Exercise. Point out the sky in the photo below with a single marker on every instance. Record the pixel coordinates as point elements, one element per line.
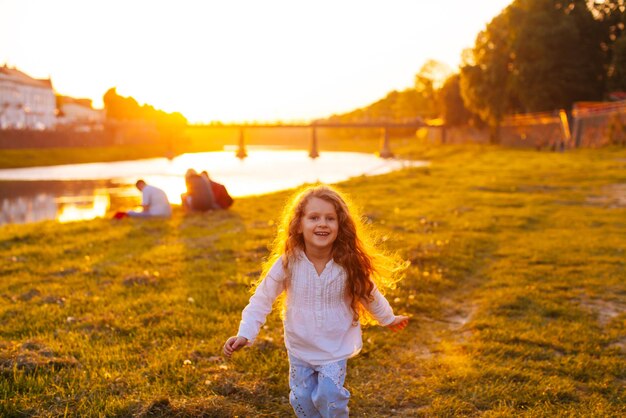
<point>238,60</point>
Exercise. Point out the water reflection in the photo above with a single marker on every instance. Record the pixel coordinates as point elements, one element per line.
<point>80,208</point>
<point>25,209</point>
<point>65,201</point>
<point>87,191</point>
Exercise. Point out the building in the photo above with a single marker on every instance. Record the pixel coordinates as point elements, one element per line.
<point>79,112</point>
<point>25,102</point>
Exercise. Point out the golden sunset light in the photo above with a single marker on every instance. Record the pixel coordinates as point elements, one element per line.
<point>288,208</point>
<point>77,211</point>
<point>237,60</point>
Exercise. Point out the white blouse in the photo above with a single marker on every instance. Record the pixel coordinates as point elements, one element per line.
<point>318,324</point>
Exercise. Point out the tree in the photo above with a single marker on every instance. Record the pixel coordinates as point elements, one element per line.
<point>434,73</point>
<point>557,59</point>
<point>409,105</point>
<point>112,104</point>
<point>617,71</point>
<point>612,16</point>
<point>537,55</point>
<point>118,108</point>
<point>121,108</point>
<point>485,81</point>
<point>428,81</point>
<point>453,109</point>
<point>127,108</point>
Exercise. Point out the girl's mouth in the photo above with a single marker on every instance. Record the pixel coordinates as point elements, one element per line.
<point>322,234</point>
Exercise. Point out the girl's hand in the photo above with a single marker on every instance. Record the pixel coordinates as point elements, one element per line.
<point>233,344</point>
<point>399,323</point>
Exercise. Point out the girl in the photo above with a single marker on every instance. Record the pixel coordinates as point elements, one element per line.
<point>328,269</point>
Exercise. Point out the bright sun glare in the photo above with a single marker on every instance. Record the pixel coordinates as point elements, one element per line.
<point>237,60</point>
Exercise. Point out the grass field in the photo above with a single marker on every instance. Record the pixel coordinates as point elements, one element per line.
<point>516,290</point>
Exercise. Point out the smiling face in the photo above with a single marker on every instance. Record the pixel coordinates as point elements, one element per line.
<point>319,225</point>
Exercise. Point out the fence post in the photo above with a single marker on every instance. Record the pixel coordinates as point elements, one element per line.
<point>578,129</point>
<point>567,136</point>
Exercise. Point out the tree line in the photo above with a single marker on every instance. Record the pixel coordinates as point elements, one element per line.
<point>535,56</point>
<point>126,109</point>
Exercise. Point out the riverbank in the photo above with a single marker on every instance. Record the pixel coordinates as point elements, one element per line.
<point>20,158</point>
<point>40,157</point>
<point>516,291</point>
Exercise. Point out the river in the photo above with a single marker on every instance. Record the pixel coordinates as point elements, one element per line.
<point>86,191</point>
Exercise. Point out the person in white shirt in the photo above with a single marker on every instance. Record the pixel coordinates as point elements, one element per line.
<point>329,271</point>
<point>153,201</point>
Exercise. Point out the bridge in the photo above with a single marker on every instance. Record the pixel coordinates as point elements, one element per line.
<point>384,152</point>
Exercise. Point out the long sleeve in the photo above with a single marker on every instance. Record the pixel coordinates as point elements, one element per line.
<point>260,305</point>
<point>380,308</point>
<point>146,196</point>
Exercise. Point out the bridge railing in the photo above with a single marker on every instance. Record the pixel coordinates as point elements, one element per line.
<point>384,150</point>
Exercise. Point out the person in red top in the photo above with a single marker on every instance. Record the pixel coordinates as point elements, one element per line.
<point>222,198</point>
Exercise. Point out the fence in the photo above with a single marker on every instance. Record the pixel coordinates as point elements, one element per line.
<point>594,124</point>
<point>536,130</point>
<point>599,124</point>
<point>533,130</point>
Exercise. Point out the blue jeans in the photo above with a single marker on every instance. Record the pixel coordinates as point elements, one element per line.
<point>317,391</point>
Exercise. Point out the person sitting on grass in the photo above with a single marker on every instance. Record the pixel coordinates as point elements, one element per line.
<point>218,191</point>
<point>154,203</point>
<point>331,273</point>
<point>199,196</point>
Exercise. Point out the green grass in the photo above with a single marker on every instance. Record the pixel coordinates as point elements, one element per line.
<point>38,157</point>
<point>516,290</point>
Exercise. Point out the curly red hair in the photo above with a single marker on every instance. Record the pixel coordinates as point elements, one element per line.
<point>354,248</point>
